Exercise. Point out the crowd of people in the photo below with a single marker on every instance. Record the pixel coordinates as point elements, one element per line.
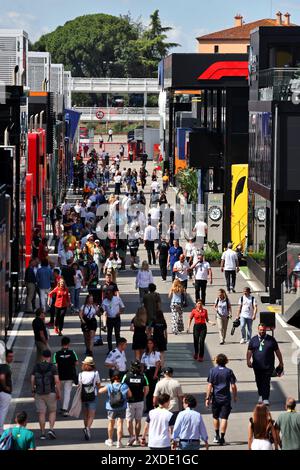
<point>93,236</point>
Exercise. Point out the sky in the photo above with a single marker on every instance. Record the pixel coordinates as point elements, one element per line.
<point>188,18</point>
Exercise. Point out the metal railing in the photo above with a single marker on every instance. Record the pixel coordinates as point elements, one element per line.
<point>114,85</point>
<point>119,114</point>
<point>279,83</point>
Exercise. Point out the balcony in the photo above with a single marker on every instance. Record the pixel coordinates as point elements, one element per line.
<point>280,84</point>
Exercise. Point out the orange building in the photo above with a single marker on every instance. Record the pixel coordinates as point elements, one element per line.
<point>236,40</point>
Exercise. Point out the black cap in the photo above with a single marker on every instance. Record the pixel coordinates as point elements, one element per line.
<point>46,353</point>
<point>167,370</point>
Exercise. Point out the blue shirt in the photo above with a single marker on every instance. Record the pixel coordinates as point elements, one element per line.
<point>44,277</point>
<point>263,349</point>
<point>123,389</point>
<point>189,425</point>
<point>221,378</point>
<point>175,254</point>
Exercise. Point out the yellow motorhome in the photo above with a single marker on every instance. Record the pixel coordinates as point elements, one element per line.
<point>239,205</point>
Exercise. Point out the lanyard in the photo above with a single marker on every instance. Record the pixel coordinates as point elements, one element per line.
<point>261,344</point>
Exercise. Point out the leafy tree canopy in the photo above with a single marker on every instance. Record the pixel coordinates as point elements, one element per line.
<point>103,45</point>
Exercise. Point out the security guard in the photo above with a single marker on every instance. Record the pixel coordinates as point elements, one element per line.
<point>116,359</point>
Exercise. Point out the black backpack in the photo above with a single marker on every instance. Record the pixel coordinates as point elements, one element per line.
<point>44,380</point>
<point>88,391</point>
<point>116,399</point>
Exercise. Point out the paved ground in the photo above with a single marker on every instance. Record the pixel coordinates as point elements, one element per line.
<point>191,374</point>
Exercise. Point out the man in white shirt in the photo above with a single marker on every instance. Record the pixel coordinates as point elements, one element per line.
<point>116,359</point>
<point>150,235</point>
<point>247,311</point>
<point>112,307</point>
<point>155,186</point>
<point>181,269</point>
<point>154,214</point>
<point>110,135</point>
<point>230,264</point>
<point>190,251</point>
<point>159,425</point>
<point>202,270</point>
<point>200,230</point>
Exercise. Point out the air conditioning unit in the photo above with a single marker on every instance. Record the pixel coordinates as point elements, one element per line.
<point>13,57</point>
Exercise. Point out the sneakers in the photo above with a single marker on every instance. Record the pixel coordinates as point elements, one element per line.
<point>222,441</point>
<point>119,445</point>
<point>56,330</point>
<point>243,341</point>
<point>136,442</point>
<point>86,435</point>
<point>233,290</point>
<point>260,400</point>
<point>221,342</point>
<point>216,440</point>
<point>131,442</point>
<point>43,437</point>
<point>51,434</point>
<point>266,402</point>
<point>109,443</point>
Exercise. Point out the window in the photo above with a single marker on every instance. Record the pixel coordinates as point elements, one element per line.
<point>216,49</point>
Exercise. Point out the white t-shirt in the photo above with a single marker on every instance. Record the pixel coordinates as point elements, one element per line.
<point>231,260</point>
<point>182,275</point>
<point>190,249</point>
<point>118,179</point>
<point>154,213</point>
<point>77,208</point>
<point>78,279</point>
<point>87,376</point>
<point>247,307</point>
<point>150,233</point>
<point>117,358</point>
<point>155,186</point>
<point>110,132</point>
<point>201,271</point>
<point>222,307</point>
<point>113,306</point>
<point>173,388</point>
<point>150,360</point>
<point>200,228</point>
<point>159,435</point>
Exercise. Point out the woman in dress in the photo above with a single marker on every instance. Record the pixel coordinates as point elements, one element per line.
<point>138,326</point>
<point>150,367</point>
<point>175,294</point>
<point>160,334</point>
<point>223,308</point>
<point>143,279</point>
<point>261,430</point>
<point>62,302</point>
<point>88,313</point>
<point>200,317</point>
<point>89,379</point>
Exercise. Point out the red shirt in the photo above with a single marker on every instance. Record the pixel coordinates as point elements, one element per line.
<point>62,297</point>
<point>200,317</point>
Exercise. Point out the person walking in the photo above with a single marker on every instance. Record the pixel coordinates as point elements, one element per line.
<point>181,269</point>
<point>176,307</point>
<point>30,283</point>
<point>200,317</point>
<point>150,366</point>
<point>68,274</point>
<point>113,308</point>
<point>190,252</point>
<point>159,333</point>
<point>162,253</point>
<point>230,266</point>
<point>152,303</point>
<point>138,385</point>
<point>62,302</point>
<point>261,430</point>
<point>117,395</point>
<point>170,386</point>
<point>110,135</point>
<point>41,335</point>
<point>45,388</point>
<point>143,279</point>
<point>78,279</point>
<point>44,277</point>
<point>159,426</point>
<point>223,310</point>
<point>247,311</point>
<point>88,313</point>
<point>220,379</point>
<point>66,361</point>
<point>116,359</point>
<point>150,235</point>
<point>288,426</point>
<point>23,439</point>
<point>56,278</point>
<point>261,358</point>
<point>202,270</point>
<point>175,251</point>
<point>189,428</point>
<point>5,386</point>
<point>90,383</point>
<point>138,326</point>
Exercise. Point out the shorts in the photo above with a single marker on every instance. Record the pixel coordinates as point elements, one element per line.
<point>121,414</point>
<point>90,405</point>
<point>135,410</point>
<point>221,410</point>
<point>45,402</point>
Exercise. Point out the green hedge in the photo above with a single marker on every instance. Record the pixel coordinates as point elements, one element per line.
<point>258,256</point>
<point>212,256</point>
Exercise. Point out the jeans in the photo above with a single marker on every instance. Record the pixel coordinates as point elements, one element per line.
<point>199,332</point>
<point>76,298</point>
<point>72,294</point>
<point>246,322</point>
<point>200,285</point>
<point>263,382</point>
<point>189,445</point>
<point>230,275</point>
<point>5,399</point>
<point>43,296</point>
<point>66,388</point>
<point>113,324</point>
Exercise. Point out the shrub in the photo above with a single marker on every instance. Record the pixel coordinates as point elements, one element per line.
<point>212,256</point>
<point>258,256</point>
